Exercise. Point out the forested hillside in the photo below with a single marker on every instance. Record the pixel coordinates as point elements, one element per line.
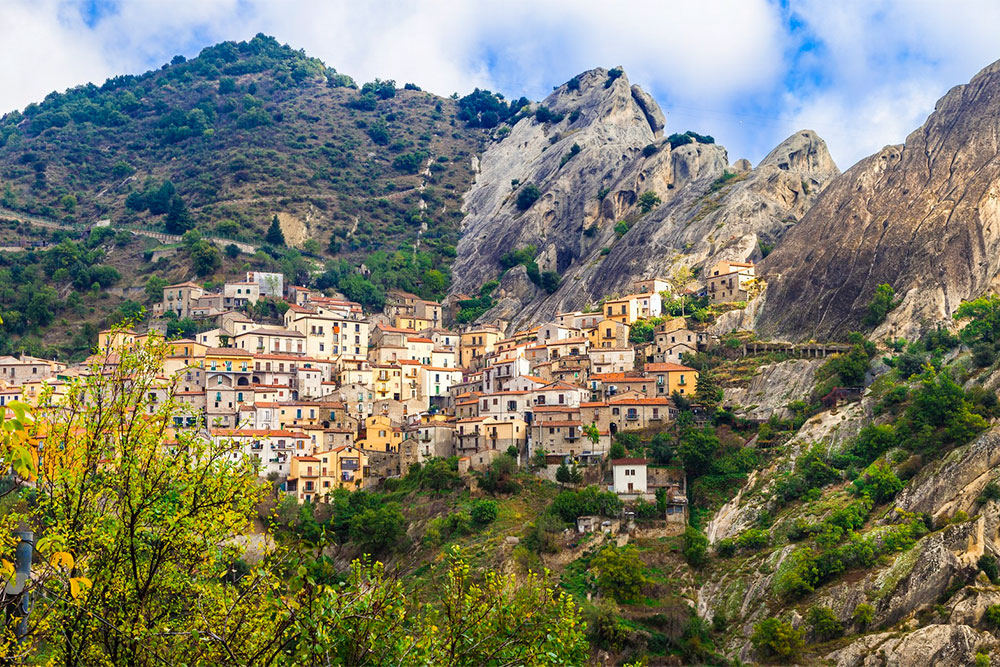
<point>246,131</point>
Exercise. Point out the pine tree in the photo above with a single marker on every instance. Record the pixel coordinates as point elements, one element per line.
<point>274,234</point>
<point>178,218</point>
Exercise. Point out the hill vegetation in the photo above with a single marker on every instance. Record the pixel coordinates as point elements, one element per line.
<point>247,130</point>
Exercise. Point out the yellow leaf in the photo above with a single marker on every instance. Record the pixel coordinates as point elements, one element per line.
<point>7,568</point>
<point>62,558</point>
<point>77,585</point>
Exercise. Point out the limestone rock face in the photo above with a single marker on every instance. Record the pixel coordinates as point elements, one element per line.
<point>701,217</point>
<point>945,645</point>
<point>774,387</point>
<point>923,217</point>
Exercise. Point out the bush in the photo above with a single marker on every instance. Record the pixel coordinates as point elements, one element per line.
<point>378,530</point>
<point>983,354</point>
<point>527,195</point>
<point>988,564</point>
<point>605,626</point>
<point>619,572</point>
<point>824,623</point>
<point>569,505</point>
<point>484,511</point>
<point>864,614</point>
<point>753,539</point>
<point>695,547</point>
<point>879,482</point>
<point>992,616</point>
<point>648,200</point>
<point>613,74</point>
<point>882,302</point>
<point>774,638</point>
<point>726,547</point>
<point>649,150</point>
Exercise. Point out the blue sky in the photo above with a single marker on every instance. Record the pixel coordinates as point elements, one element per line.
<point>749,72</point>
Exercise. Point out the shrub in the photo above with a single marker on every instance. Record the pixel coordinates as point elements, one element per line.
<point>983,354</point>
<point>648,150</point>
<point>824,623</point>
<point>648,200</point>
<point>879,482</point>
<point>992,616</point>
<point>775,638</point>
<point>484,511</point>
<point>988,564</point>
<point>864,614</point>
<point>546,115</point>
<point>753,539</point>
<point>527,195</point>
<point>378,530</point>
<point>882,302</point>
<point>983,659</point>
<point>613,74</point>
<point>695,547</point>
<point>605,626</point>
<point>726,547</point>
<point>619,572</point>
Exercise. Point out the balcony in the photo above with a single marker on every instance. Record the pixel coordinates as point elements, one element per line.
<point>632,418</point>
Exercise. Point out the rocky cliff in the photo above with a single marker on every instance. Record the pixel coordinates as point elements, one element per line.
<point>707,210</point>
<point>923,217</point>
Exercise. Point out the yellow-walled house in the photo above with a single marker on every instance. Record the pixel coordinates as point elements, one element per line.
<point>672,378</point>
<point>378,435</point>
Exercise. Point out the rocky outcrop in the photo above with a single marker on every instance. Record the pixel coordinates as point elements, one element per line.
<point>707,209</point>
<point>953,483</point>
<point>944,645</point>
<point>923,217</point>
<point>773,387</point>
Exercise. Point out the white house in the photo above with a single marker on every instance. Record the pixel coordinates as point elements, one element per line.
<point>629,476</point>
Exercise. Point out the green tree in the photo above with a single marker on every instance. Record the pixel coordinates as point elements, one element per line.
<point>824,623</point>
<point>619,572</point>
<point>864,614</point>
<point>379,530</point>
<point>984,320</point>
<point>777,639</point>
<point>129,525</point>
<point>527,195</point>
<point>154,288</point>
<point>484,511</point>
<point>882,302</point>
<point>695,547</point>
<point>178,218</point>
<point>274,234</point>
<point>648,200</point>
<point>697,449</point>
<point>617,451</point>
<point>563,475</point>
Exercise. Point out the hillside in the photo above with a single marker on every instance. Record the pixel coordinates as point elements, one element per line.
<point>242,133</point>
<point>921,217</point>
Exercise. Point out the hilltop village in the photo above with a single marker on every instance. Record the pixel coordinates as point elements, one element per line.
<point>335,398</point>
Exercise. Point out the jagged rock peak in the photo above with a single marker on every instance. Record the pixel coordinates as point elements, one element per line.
<point>654,115</point>
<point>803,151</point>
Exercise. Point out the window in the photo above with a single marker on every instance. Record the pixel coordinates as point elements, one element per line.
<point>218,396</point>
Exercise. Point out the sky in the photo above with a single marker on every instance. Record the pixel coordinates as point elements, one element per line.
<point>862,73</point>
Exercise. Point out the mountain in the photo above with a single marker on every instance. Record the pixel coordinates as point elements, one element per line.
<point>923,217</point>
<point>619,201</point>
<point>241,133</point>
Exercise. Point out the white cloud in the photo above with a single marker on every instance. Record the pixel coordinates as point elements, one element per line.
<point>721,67</point>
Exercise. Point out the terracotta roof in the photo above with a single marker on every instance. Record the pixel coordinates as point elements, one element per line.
<point>559,423</point>
<point>227,352</point>
<point>629,400</point>
<point>629,462</point>
<point>666,367</point>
